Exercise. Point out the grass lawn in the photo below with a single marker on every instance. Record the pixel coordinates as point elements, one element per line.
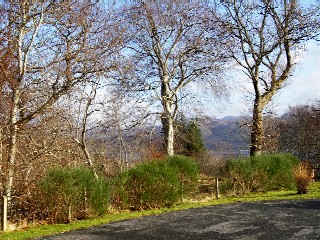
<point>42,230</point>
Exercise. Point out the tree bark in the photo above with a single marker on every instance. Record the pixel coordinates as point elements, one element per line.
<point>1,162</point>
<point>171,51</point>
<point>84,148</point>
<point>12,144</point>
<point>265,38</point>
<point>168,132</point>
<point>167,117</point>
<point>257,130</point>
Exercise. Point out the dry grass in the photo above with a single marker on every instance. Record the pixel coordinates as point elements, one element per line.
<point>303,177</point>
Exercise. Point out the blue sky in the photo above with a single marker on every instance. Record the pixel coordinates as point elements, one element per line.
<point>304,86</point>
<point>305,83</point>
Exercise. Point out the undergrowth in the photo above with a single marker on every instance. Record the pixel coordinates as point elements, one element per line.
<point>38,231</point>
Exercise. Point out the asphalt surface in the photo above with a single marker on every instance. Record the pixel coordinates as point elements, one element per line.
<point>259,220</point>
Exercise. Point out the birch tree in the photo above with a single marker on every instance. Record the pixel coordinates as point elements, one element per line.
<point>265,39</point>
<point>168,48</point>
<point>85,111</point>
<point>53,47</point>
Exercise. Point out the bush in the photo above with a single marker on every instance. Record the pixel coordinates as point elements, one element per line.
<point>155,184</point>
<point>212,165</point>
<point>74,193</point>
<point>187,170</point>
<point>262,173</point>
<point>150,185</point>
<point>303,177</point>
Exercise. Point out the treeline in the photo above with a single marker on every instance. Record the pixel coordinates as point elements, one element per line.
<point>296,132</point>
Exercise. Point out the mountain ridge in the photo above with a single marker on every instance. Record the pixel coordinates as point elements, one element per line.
<point>224,134</point>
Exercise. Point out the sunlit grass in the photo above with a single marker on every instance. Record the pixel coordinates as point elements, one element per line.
<point>42,230</point>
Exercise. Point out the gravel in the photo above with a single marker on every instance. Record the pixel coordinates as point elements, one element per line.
<point>256,220</point>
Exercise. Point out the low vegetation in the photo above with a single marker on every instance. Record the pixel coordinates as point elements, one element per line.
<point>303,177</point>
<point>42,230</point>
<point>73,193</point>
<point>155,184</point>
<point>261,173</point>
<point>76,196</point>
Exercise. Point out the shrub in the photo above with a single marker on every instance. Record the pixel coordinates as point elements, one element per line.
<point>303,177</point>
<point>187,170</point>
<point>155,184</point>
<point>261,173</point>
<point>149,185</point>
<point>74,193</point>
<point>241,175</point>
<point>278,170</point>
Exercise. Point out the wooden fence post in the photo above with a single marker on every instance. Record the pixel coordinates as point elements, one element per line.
<point>4,210</point>
<point>217,189</point>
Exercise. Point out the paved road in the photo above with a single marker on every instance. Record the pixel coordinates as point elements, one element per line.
<point>260,220</point>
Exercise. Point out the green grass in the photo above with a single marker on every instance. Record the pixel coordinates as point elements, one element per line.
<point>42,230</point>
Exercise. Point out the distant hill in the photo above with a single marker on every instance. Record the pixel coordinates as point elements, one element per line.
<point>220,135</point>
<point>224,135</point>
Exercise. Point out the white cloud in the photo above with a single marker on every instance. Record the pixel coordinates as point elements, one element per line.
<point>305,83</point>
<point>304,86</point>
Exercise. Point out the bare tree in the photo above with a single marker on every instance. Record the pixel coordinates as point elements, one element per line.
<point>266,35</point>
<point>168,48</point>
<point>52,47</point>
<point>272,133</point>
<point>125,126</point>
<point>85,111</point>
<point>299,132</point>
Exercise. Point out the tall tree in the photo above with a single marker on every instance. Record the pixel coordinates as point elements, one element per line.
<point>169,48</point>
<point>52,48</point>
<point>266,36</point>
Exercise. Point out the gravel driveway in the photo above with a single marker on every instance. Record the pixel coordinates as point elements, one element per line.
<point>259,220</point>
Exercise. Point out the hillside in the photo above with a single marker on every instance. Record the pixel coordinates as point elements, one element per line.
<point>224,135</point>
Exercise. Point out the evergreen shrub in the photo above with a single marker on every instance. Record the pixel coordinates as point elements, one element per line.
<point>74,193</point>
<point>155,184</point>
<point>188,171</point>
<point>261,173</point>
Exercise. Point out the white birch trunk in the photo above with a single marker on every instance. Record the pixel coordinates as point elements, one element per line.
<point>22,52</point>
<point>170,141</point>
<point>12,144</point>
<point>167,116</point>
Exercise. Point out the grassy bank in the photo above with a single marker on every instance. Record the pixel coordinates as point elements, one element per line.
<point>42,230</point>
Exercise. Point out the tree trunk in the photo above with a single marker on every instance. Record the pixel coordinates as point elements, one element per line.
<point>12,145</point>
<point>167,115</point>
<point>257,130</point>
<point>1,162</point>
<point>167,126</point>
<point>89,159</point>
